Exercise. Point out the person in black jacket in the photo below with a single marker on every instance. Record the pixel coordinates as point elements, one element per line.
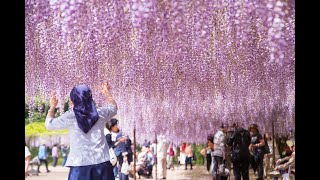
<point>240,141</point>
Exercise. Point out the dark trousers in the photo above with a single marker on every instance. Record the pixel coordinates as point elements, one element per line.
<point>208,161</point>
<point>130,158</point>
<point>260,170</point>
<point>55,160</point>
<point>102,171</point>
<point>217,161</point>
<point>257,165</point>
<point>124,176</point>
<point>45,162</point>
<point>120,160</point>
<point>188,160</point>
<point>150,169</point>
<point>241,169</point>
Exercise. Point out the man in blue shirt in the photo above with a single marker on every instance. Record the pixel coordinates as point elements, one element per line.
<point>42,155</point>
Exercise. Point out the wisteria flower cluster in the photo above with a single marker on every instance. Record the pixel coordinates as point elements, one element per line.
<point>176,67</point>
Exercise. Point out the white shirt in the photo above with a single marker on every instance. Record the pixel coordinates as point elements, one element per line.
<point>125,168</point>
<point>114,136</point>
<point>55,151</point>
<point>162,147</point>
<point>85,148</point>
<point>27,152</point>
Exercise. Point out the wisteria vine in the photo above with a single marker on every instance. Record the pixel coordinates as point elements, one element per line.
<point>176,67</point>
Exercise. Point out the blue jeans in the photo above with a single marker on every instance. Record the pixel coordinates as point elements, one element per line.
<point>124,176</point>
<point>115,171</point>
<point>188,160</point>
<point>64,161</point>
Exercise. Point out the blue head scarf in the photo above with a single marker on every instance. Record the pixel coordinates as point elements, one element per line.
<point>83,107</point>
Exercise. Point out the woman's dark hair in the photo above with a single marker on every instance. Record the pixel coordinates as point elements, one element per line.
<point>210,138</point>
<point>224,125</point>
<point>254,126</point>
<point>234,125</point>
<point>112,122</point>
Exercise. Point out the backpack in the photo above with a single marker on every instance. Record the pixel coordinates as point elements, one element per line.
<point>241,142</point>
<point>266,147</point>
<point>171,152</point>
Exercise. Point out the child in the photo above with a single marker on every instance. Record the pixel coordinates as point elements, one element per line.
<point>125,169</point>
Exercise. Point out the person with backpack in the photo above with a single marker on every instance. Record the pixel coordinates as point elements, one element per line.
<point>239,142</point>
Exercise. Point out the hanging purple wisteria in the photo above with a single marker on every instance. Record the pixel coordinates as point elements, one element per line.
<point>176,67</point>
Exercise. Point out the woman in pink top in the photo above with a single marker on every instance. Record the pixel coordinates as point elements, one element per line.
<point>171,156</point>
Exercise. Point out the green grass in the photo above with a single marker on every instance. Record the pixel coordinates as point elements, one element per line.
<point>199,158</point>
<point>39,129</point>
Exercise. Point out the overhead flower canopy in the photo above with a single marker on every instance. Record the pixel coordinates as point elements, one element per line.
<point>176,67</point>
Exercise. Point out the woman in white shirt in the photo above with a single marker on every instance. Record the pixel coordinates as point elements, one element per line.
<point>89,153</point>
<point>125,169</point>
<point>55,154</point>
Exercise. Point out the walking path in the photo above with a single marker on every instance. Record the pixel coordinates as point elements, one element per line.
<point>198,173</point>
